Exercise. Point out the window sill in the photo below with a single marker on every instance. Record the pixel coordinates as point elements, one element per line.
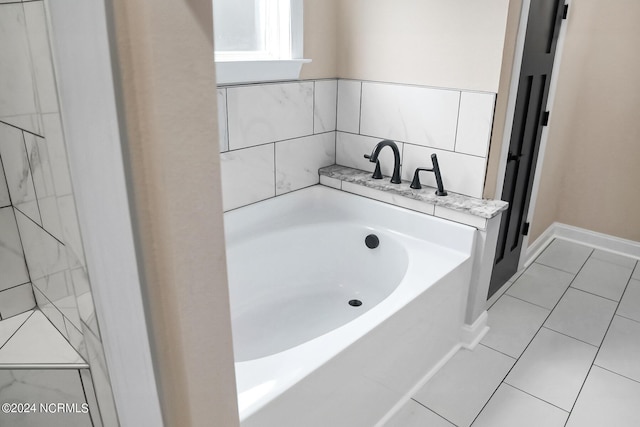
<point>230,72</point>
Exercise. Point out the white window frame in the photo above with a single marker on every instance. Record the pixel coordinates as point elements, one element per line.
<point>285,63</point>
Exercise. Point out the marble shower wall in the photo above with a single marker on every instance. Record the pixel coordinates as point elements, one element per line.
<point>40,242</point>
<point>274,137</point>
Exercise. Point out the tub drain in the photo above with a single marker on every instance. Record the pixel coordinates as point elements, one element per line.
<point>372,241</point>
<point>355,303</point>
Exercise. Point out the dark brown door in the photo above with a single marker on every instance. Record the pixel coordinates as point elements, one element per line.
<point>543,28</point>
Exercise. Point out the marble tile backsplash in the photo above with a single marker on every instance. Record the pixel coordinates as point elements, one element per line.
<point>455,125</point>
<point>274,137</point>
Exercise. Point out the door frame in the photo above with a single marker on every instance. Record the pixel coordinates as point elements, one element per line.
<point>511,107</point>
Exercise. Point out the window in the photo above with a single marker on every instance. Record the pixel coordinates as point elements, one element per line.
<point>257,40</point>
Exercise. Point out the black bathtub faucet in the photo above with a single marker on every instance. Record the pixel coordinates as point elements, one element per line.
<point>436,170</point>
<point>373,158</point>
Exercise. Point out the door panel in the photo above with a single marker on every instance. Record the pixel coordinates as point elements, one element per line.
<point>543,28</point>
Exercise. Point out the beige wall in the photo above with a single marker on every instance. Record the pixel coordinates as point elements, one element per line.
<point>168,94</point>
<point>590,174</point>
<point>500,116</point>
<point>320,39</point>
<point>454,43</point>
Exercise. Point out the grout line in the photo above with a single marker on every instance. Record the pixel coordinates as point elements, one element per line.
<point>498,351</point>
<point>532,303</point>
<point>429,409</point>
<point>616,373</point>
<point>536,397</point>
<point>38,225</point>
<point>18,127</point>
<point>625,317</point>
<point>84,393</point>
<point>360,110</point>
<point>17,329</point>
<point>226,114</point>
<point>262,144</point>
<point>313,109</point>
<point>455,137</point>
<point>569,336</point>
<point>33,183</point>
<point>595,357</point>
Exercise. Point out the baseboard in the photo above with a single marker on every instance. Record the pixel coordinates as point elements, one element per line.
<point>597,240</point>
<point>472,334</point>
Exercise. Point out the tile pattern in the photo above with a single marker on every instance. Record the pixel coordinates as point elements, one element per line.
<point>274,137</point>
<point>574,354</point>
<point>454,125</point>
<point>35,190</point>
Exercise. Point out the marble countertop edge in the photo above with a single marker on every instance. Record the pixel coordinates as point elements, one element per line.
<point>484,208</point>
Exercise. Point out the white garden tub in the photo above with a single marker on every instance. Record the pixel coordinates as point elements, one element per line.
<point>306,353</point>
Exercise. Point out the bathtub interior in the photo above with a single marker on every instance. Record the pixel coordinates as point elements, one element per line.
<point>306,281</point>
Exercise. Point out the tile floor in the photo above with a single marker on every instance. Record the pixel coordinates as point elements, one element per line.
<point>563,350</point>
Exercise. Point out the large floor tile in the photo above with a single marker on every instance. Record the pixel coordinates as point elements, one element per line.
<point>511,407</point>
<point>462,387</point>
<point>553,368</point>
<point>414,414</point>
<point>613,258</point>
<point>541,285</point>
<point>513,324</point>
<point>630,303</point>
<point>603,278</point>
<point>582,315</point>
<point>620,351</point>
<point>565,255</point>
<point>607,399</point>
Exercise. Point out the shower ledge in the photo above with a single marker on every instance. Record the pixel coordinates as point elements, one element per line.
<point>455,207</point>
<point>30,341</point>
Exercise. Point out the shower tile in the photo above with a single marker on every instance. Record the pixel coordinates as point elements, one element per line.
<point>12,262</point>
<point>44,254</point>
<point>71,231</point>
<point>324,106</point>
<point>582,316</point>
<point>42,67</point>
<point>75,339</point>
<point>461,173</point>
<point>44,386</point>
<point>223,133</point>
<point>511,407</point>
<point>564,255</point>
<point>16,300</point>
<point>461,388</point>
<point>348,114</point>
<point>413,414</point>
<point>38,343</point>
<point>603,278</point>
<point>413,114</point>
<point>606,399</point>
<point>541,285</point>
<point>9,326</point>
<point>620,350</point>
<point>19,101</point>
<point>5,200</point>
<point>513,324</point>
<point>298,161</point>
<point>630,303</point>
<point>553,368</point>
<point>259,114</point>
<point>57,153</point>
<point>90,393</point>
<point>350,151</point>
<point>101,382</point>
<point>248,176</point>
<point>474,123</point>
<point>50,311</point>
<point>18,173</point>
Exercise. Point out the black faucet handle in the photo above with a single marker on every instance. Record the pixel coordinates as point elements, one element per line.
<point>377,173</point>
<point>415,183</point>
